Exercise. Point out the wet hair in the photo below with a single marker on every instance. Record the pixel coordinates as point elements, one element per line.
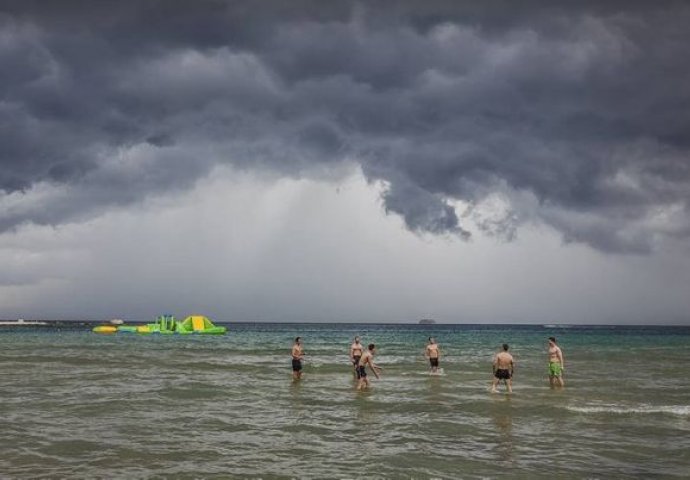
<point>297,339</point>
<point>553,339</point>
<point>505,347</point>
<point>371,347</point>
<point>356,338</point>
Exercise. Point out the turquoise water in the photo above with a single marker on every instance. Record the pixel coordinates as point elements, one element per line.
<point>80,405</point>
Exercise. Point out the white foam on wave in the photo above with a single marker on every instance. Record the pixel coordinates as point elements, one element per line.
<point>392,359</point>
<point>683,410</point>
<point>428,373</point>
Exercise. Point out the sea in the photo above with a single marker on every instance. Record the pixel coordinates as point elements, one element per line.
<point>75,404</point>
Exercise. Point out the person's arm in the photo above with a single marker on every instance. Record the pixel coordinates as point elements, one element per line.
<point>374,368</point>
<point>560,359</point>
<point>352,355</point>
<point>493,364</point>
<point>512,366</point>
<point>426,351</point>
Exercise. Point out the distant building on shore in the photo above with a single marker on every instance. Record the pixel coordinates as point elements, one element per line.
<point>22,323</point>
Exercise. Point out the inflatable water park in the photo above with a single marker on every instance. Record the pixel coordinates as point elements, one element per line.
<point>167,325</point>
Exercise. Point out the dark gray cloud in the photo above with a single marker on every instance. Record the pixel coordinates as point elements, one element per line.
<point>583,109</point>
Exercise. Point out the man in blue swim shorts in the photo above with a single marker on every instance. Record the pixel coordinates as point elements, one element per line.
<point>367,359</point>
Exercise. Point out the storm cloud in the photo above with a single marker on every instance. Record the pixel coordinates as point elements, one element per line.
<point>577,115</point>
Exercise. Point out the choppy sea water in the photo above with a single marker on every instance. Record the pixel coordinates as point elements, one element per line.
<point>81,405</point>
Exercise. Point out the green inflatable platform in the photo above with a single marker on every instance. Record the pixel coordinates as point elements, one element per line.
<point>167,325</point>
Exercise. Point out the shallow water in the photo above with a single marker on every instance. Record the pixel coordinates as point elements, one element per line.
<point>80,405</point>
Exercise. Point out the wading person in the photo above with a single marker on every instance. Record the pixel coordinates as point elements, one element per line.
<point>356,350</point>
<point>503,367</point>
<point>556,364</point>
<point>297,356</point>
<point>367,359</point>
<point>433,353</point>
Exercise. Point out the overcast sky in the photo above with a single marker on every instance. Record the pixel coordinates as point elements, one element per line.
<point>346,161</point>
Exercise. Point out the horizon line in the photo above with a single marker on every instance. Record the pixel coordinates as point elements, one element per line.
<point>313,322</point>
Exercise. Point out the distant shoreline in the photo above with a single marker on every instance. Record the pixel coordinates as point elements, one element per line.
<point>22,323</point>
<point>412,324</point>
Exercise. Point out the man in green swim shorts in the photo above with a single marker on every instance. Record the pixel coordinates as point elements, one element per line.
<point>556,364</point>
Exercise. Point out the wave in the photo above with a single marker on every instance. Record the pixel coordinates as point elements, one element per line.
<point>427,373</point>
<point>683,410</point>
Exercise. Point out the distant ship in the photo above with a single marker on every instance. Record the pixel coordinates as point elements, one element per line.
<point>427,321</point>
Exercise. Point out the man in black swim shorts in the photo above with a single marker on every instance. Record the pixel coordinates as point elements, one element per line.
<point>297,356</point>
<point>433,353</point>
<point>356,350</point>
<point>503,367</point>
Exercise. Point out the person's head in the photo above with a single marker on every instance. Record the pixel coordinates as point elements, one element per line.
<point>432,340</point>
<point>357,339</point>
<point>505,347</point>
<point>298,340</point>
<point>371,347</point>
<point>552,340</point>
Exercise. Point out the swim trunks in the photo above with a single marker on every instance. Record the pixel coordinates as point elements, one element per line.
<point>502,374</point>
<point>555,369</point>
<point>361,372</point>
<point>296,365</point>
<point>433,362</point>
<point>355,359</point>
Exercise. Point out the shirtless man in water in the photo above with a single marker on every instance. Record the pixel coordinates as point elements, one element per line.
<point>297,356</point>
<point>503,369</point>
<point>356,350</point>
<point>556,364</point>
<point>367,359</point>
<point>433,353</point>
